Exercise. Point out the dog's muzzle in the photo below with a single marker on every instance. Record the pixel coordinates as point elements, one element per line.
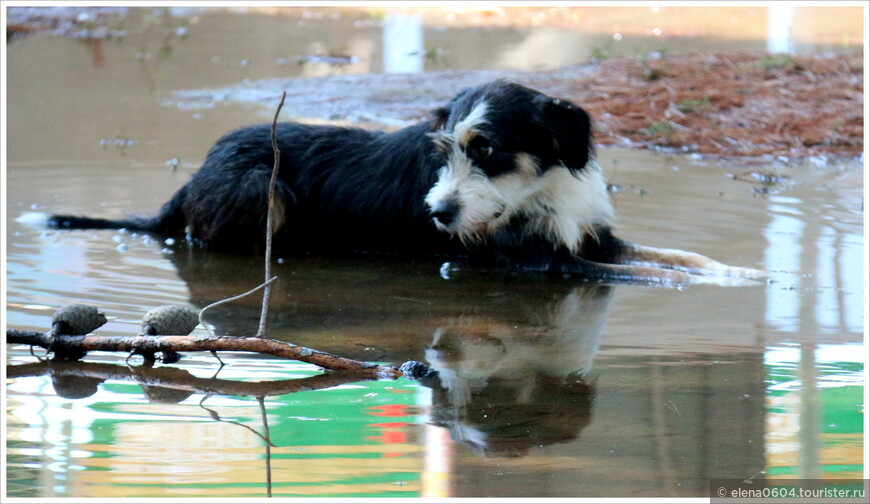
<point>445,212</point>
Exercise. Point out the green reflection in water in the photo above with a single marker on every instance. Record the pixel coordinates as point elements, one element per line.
<point>172,446</point>
<point>815,412</point>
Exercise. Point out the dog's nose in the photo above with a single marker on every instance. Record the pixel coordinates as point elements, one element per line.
<point>445,212</point>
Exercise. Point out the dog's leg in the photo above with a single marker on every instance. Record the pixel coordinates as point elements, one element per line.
<point>227,210</point>
<point>680,260</point>
<point>646,274</point>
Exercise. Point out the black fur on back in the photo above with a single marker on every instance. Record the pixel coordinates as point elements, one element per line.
<point>342,190</point>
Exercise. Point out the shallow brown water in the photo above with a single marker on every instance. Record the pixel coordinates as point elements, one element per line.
<point>546,387</point>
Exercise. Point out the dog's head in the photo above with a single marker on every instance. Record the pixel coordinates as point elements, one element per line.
<point>511,151</point>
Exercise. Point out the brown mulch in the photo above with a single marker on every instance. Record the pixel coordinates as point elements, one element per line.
<point>729,104</point>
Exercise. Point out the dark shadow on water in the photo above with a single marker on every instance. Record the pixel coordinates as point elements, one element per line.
<point>396,305</point>
<point>511,355</point>
<point>513,363</point>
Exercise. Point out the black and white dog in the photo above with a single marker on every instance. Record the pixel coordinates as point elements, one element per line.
<point>502,176</point>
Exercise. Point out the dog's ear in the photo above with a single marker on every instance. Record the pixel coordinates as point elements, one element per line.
<point>441,115</point>
<point>439,118</point>
<point>570,128</point>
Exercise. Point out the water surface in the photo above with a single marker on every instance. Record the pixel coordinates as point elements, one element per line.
<point>546,387</point>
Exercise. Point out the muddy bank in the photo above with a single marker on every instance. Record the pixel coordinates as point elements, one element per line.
<point>724,104</point>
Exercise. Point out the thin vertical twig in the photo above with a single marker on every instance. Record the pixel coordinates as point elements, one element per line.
<point>261,332</point>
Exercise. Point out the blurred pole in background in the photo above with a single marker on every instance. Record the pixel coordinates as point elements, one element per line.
<point>780,21</point>
<point>403,44</point>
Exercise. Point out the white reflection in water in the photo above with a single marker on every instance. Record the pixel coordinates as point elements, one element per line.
<point>783,254</point>
<point>817,286</point>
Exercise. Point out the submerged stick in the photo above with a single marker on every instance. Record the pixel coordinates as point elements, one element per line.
<point>150,344</point>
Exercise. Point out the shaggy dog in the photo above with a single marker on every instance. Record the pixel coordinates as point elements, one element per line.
<point>502,176</point>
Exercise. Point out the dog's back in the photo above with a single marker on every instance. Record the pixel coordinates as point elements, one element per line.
<point>339,190</point>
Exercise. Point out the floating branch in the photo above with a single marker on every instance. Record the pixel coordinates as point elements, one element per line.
<point>68,346</point>
<point>68,340</point>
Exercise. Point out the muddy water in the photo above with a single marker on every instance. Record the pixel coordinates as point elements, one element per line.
<point>545,388</point>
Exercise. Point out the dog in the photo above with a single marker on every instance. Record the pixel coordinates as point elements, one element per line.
<point>502,176</point>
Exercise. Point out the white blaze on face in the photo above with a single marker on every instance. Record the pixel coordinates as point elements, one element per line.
<point>465,129</point>
<point>558,204</point>
<point>463,183</point>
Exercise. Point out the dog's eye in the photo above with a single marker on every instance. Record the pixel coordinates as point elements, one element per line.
<point>479,148</point>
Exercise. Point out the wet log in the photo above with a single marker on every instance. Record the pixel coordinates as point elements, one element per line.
<point>76,346</point>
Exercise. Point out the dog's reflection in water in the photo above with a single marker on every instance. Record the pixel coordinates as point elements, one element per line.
<point>503,389</point>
